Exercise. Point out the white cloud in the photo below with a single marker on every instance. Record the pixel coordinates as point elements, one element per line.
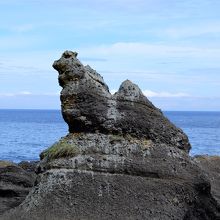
<point>15,42</point>
<point>141,50</point>
<point>149,93</point>
<point>9,94</point>
<point>6,94</point>
<point>31,62</point>
<point>22,28</point>
<point>192,30</point>
<point>27,93</point>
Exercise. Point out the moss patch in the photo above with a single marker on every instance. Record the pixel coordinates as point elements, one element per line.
<point>115,138</point>
<point>4,163</point>
<point>61,149</point>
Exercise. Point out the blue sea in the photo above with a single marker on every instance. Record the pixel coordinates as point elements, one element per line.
<point>26,133</point>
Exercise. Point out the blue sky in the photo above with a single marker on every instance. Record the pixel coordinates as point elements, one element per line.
<point>170,48</point>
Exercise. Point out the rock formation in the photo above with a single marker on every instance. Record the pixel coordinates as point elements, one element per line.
<point>121,160</point>
<point>211,166</point>
<point>87,106</point>
<point>15,184</point>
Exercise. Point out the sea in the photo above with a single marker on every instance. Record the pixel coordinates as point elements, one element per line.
<point>24,134</point>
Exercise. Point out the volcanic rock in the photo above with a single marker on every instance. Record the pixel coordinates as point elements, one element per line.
<point>88,106</point>
<point>211,166</point>
<point>121,160</point>
<point>15,184</point>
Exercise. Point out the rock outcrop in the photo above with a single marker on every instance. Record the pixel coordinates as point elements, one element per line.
<point>15,184</point>
<point>88,106</point>
<point>121,160</point>
<point>211,166</point>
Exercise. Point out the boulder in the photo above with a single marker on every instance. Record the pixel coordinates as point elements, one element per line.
<point>121,160</point>
<point>15,184</point>
<point>29,166</point>
<point>211,166</point>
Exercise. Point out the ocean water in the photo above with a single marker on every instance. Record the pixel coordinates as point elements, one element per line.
<point>202,128</point>
<point>26,133</point>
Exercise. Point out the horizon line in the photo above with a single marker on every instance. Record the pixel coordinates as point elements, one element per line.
<point>39,109</point>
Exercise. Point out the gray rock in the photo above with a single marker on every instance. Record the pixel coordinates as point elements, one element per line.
<point>88,106</point>
<point>29,166</point>
<point>115,177</point>
<point>15,184</point>
<point>121,160</point>
<point>211,166</point>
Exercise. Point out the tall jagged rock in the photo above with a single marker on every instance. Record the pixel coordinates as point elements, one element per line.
<point>88,106</point>
<point>121,160</point>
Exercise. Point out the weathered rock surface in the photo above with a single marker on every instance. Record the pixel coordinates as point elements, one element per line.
<point>121,160</point>
<point>116,177</point>
<point>211,166</point>
<point>88,106</point>
<point>15,184</point>
<point>29,166</point>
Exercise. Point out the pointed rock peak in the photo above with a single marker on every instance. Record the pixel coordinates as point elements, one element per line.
<point>68,54</point>
<point>67,60</point>
<point>129,89</point>
<point>69,68</point>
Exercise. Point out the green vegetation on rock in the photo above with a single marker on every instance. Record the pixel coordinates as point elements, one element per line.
<point>4,163</point>
<point>61,149</point>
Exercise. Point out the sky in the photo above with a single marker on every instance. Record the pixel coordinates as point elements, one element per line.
<point>170,48</point>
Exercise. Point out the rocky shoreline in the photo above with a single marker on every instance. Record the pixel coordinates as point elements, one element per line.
<point>122,159</point>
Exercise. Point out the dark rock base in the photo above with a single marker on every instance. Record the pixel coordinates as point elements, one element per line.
<point>94,195</point>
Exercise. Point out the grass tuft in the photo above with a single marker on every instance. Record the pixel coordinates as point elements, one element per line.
<point>4,163</point>
<point>61,149</point>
